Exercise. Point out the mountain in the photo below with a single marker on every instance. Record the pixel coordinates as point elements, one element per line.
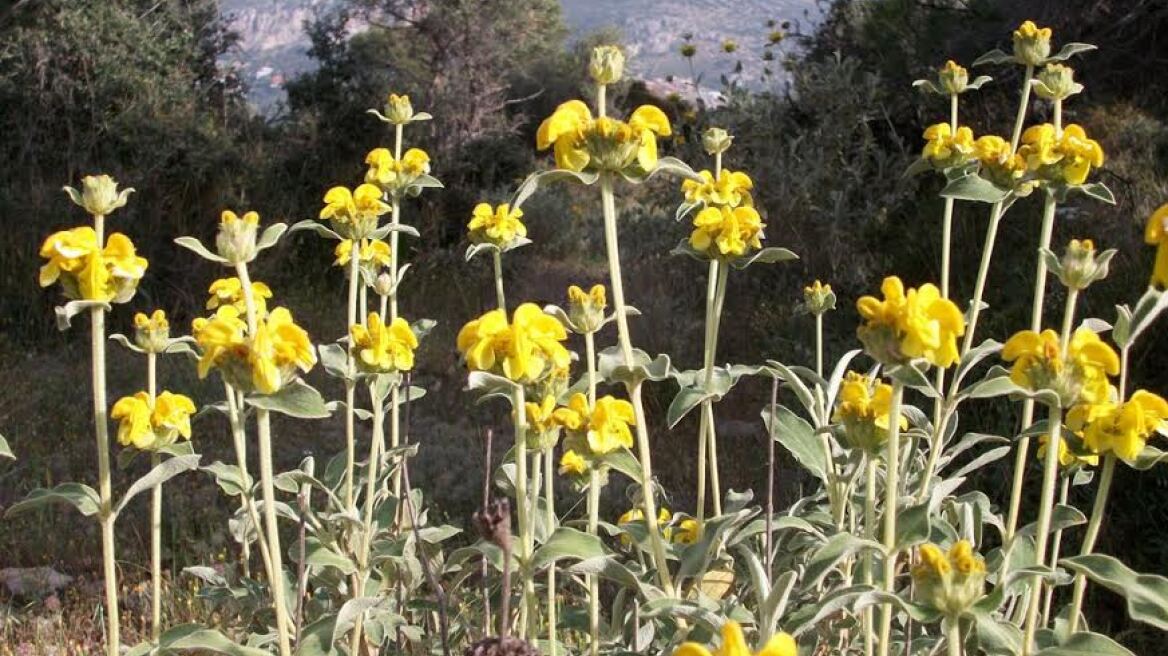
<point>274,47</point>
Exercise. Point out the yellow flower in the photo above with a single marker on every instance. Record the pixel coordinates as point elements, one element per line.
<point>1066,157</point>
<point>152,333</point>
<point>99,195</point>
<point>636,516</point>
<point>522,350</point>
<point>384,348</point>
<point>864,409</point>
<point>586,309</point>
<point>1031,44</point>
<point>499,226</point>
<point>266,361</point>
<point>1156,233</point>
<point>572,463</point>
<point>734,644</point>
<point>689,531</point>
<point>944,148</point>
<point>150,428</point>
<point>89,272</point>
<point>731,188</point>
<point>582,142</point>
<point>354,212</point>
<point>606,426</point>
<point>236,240</point>
<point>372,252</point>
<point>950,582</point>
<point>1079,154</point>
<point>725,233</point>
<point>729,46</point>
<point>999,163</point>
<point>229,291</point>
<point>916,324</point>
<point>1081,376</point>
<point>395,175</point>
<point>1122,429</point>
<point>1066,456</point>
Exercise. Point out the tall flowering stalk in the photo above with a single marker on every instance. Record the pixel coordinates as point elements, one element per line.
<point>154,422</point>
<point>903,328</point>
<point>93,272</point>
<point>259,352</point>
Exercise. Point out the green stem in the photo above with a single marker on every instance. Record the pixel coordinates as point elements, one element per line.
<point>155,514</point>
<point>953,636</point>
<point>1023,105</point>
<point>891,498</point>
<point>500,298</point>
<point>704,426</point>
<point>550,496</point>
<point>648,502</point>
<point>1055,550</point>
<point>350,384</point>
<point>870,534</point>
<point>1105,479</point>
<point>527,608</point>
<point>1021,455</point>
<point>713,322</point>
<point>987,254</point>
<point>819,345</point>
<point>239,438</point>
<point>105,489</point>
<point>593,581</point>
<point>593,508</point>
<point>267,487</point>
<point>1045,510</point>
<point>367,529</point>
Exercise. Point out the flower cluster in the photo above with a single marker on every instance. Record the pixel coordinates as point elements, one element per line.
<point>1122,429</point>
<point>595,430</point>
<point>687,530</point>
<point>152,333</point>
<point>945,148</point>
<point>734,644</point>
<point>729,188</point>
<point>586,308</point>
<point>818,298</point>
<point>524,350</point>
<point>383,348</point>
<point>864,411</point>
<point>917,323</point>
<point>371,255</point>
<point>150,424</point>
<point>229,291</point>
<point>236,239</point>
<point>1031,44</point>
<point>396,176</point>
<point>90,271</point>
<point>1156,234</point>
<point>583,143</point>
<point>265,361</point>
<point>354,212</point>
<point>950,582</point>
<point>1060,158</point>
<point>1078,376</point>
<point>500,226</point>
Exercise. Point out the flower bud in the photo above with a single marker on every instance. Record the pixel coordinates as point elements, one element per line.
<point>398,109</point>
<point>1031,44</point>
<point>716,140</point>
<point>383,284</point>
<point>152,333</point>
<point>952,78</point>
<point>688,50</point>
<point>1056,82</point>
<point>586,309</point>
<point>236,241</point>
<point>729,46</point>
<point>99,195</point>
<point>1081,265</point>
<point>950,582</point>
<point>818,298</point>
<point>607,64</point>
